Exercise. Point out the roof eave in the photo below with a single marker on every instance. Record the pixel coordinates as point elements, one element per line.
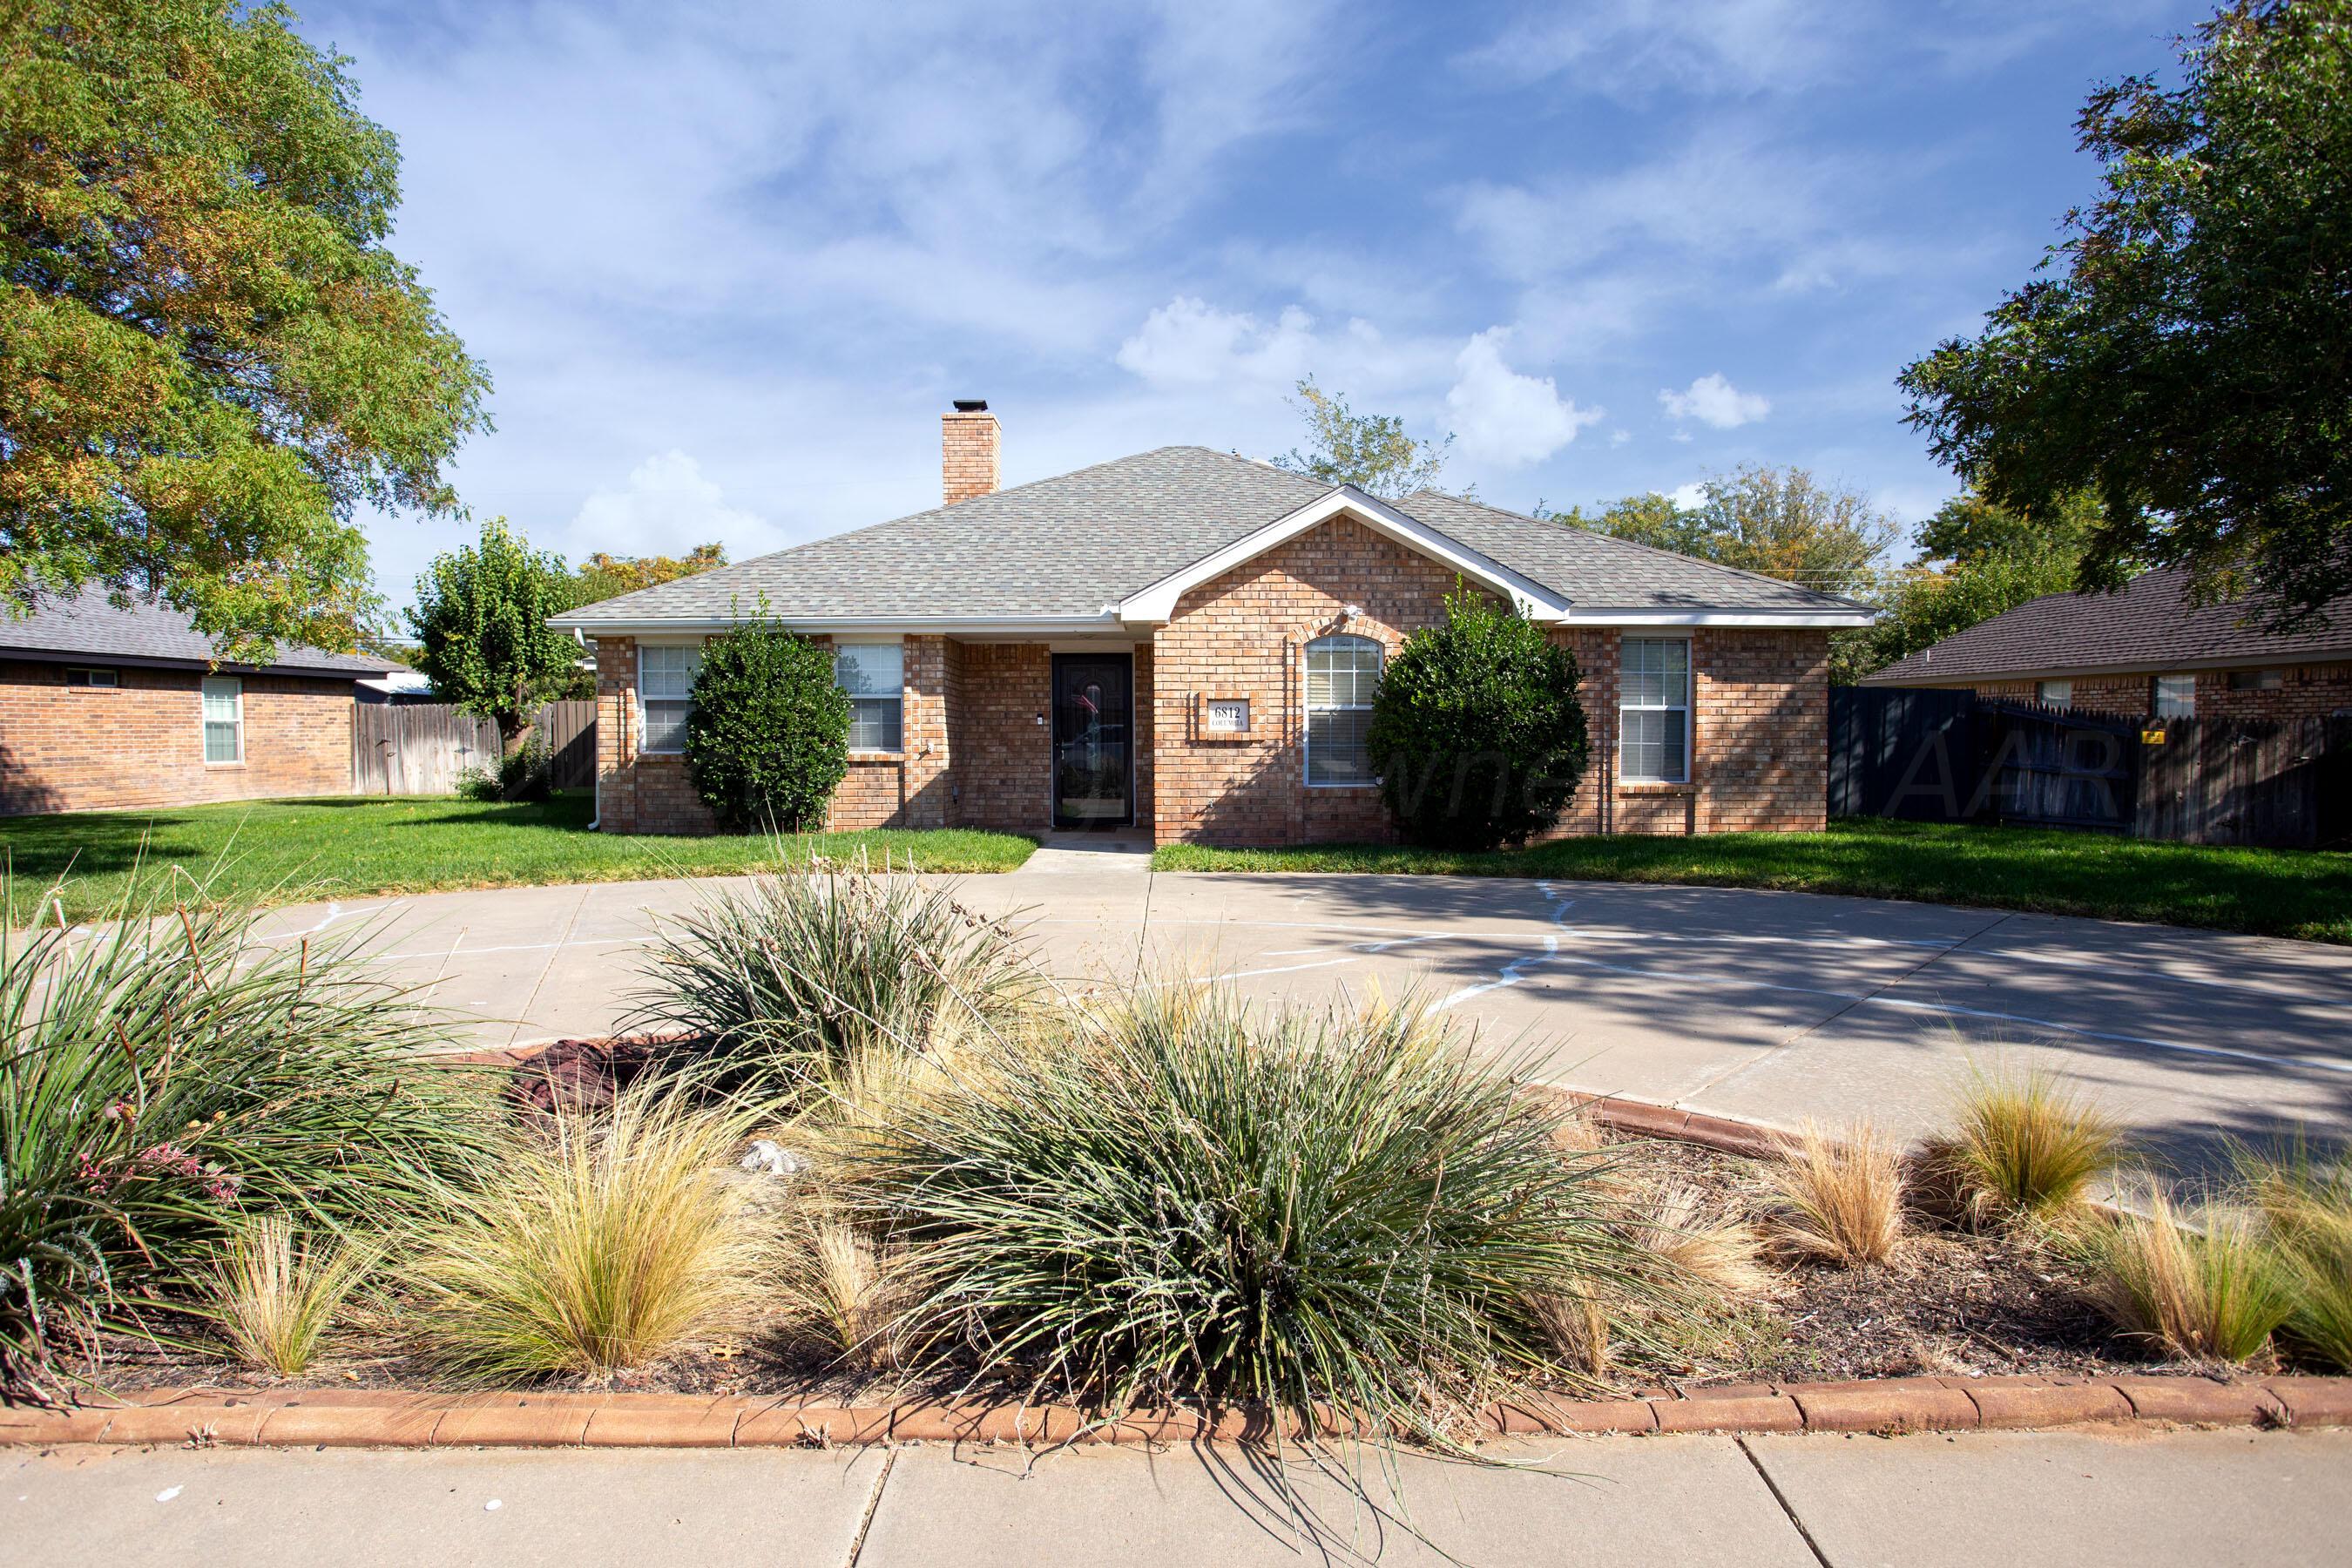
<point>960,625</point>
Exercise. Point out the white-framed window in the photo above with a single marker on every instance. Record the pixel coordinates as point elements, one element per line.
<point>665,694</point>
<point>2173,697</point>
<point>1653,711</point>
<point>2257,679</point>
<point>874,674</point>
<point>1343,674</point>
<point>95,680</point>
<point>224,702</point>
<point>2054,693</point>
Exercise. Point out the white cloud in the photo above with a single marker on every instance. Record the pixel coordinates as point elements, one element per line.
<point>1621,437</point>
<point>1504,418</point>
<point>1689,497</point>
<point>1190,343</point>
<point>1633,47</point>
<point>1712,400</point>
<point>667,506</point>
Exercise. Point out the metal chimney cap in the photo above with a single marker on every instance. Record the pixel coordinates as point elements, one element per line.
<point>972,405</point>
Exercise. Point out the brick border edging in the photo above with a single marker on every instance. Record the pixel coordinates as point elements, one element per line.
<point>357,1418</point>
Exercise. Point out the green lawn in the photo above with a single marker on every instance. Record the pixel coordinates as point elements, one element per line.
<point>291,851</point>
<point>2274,892</point>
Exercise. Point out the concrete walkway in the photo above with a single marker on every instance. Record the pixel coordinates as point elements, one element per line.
<point>2198,1498</point>
<point>1773,1006</point>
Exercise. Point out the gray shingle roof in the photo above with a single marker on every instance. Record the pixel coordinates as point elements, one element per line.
<point>1600,572</point>
<point>85,625</point>
<point>1074,544</point>
<point>2150,625</point>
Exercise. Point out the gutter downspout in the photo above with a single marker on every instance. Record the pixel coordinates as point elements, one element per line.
<point>595,774</point>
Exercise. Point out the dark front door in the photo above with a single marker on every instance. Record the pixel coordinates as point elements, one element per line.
<point>1094,698</point>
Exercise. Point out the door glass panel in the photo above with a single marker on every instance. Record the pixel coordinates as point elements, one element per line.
<point>1091,740</point>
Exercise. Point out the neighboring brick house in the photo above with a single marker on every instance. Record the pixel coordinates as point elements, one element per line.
<point>2145,650</point>
<point>104,707</point>
<point>1189,642</point>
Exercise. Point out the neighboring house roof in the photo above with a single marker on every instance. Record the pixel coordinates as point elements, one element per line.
<point>85,625</point>
<point>1077,549</point>
<point>2149,626</point>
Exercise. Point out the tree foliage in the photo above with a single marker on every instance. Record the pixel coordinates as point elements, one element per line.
<point>768,737</point>
<point>1369,451</point>
<point>1978,559</point>
<point>481,628</point>
<point>207,355</point>
<point>1780,523</point>
<point>1478,730</point>
<point>2187,358</point>
<point>602,576</point>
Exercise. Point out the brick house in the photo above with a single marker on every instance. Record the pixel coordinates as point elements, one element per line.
<point>104,707</point>
<point>1189,642</point>
<point>2145,650</point>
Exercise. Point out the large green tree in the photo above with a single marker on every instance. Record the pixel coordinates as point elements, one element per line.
<point>602,576</point>
<point>2188,356</point>
<point>208,357</point>
<point>481,629</point>
<point>1369,451</point>
<point>1780,523</point>
<point>1978,559</point>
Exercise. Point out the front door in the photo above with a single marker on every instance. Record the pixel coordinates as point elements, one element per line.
<point>1094,698</point>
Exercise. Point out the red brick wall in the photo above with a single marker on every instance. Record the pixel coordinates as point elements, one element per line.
<point>1760,715</point>
<point>2305,691</point>
<point>142,743</point>
<point>1002,755</point>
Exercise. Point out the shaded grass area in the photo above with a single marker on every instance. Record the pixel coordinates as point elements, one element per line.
<point>290,851</point>
<point>2306,894</point>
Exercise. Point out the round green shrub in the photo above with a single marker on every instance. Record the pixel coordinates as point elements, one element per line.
<point>768,737</point>
<point>1476,730</point>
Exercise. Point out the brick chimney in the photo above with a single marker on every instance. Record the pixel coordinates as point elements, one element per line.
<point>969,440</point>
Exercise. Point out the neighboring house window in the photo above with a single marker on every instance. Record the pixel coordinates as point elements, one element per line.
<point>1653,711</point>
<point>2054,693</point>
<point>665,693</point>
<point>1343,675</point>
<point>224,718</point>
<point>2257,679</point>
<point>96,679</point>
<point>874,674</point>
<point>2175,697</point>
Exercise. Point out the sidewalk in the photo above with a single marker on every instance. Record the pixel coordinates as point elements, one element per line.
<point>2279,1499</point>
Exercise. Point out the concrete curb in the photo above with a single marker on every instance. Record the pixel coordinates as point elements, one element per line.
<point>360,1418</point>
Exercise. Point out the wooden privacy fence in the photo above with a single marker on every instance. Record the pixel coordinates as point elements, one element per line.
<point>420,748</point>
<point>1947,756</point>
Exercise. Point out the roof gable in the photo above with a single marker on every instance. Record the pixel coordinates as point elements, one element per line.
<point>88,625</point>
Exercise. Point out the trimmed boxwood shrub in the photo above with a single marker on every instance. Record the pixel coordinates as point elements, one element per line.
<point>768,737</point>
<point>1476,730</point>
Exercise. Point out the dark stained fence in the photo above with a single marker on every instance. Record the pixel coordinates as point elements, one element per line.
<point>568,731</point>
<point>1946,756</point>
<point>2057,767</point>
<point>1903,753</point>
<point>417,748</point>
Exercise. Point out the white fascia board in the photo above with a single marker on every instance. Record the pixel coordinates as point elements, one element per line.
<point>1154,605</point>
<point>903,625</point>
<point>1759,619</point>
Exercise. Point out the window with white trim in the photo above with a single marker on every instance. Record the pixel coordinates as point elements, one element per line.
<point>1343,675</point>
<point>2173,697</point>
<point>224,697</point>
<point>1653,711</point>
<point>874,674</point>
<point>2054,693</point>
<point>665,674</point>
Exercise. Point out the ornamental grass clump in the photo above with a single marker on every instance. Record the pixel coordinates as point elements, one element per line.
<point>1183,1200</point>
<point>2208,1288</point>
<point>274,1292</point>
<point>169,1078</point>
<point>2304,1202</point>
<point>787,979</point>
<point>1839,1195</point>
<point>598,1247</point>
<point>2027,1147</point>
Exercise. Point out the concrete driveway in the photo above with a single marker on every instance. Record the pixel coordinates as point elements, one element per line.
<point>1772,1007</point>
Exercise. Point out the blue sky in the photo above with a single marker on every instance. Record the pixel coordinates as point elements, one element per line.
<point>728,264</point>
